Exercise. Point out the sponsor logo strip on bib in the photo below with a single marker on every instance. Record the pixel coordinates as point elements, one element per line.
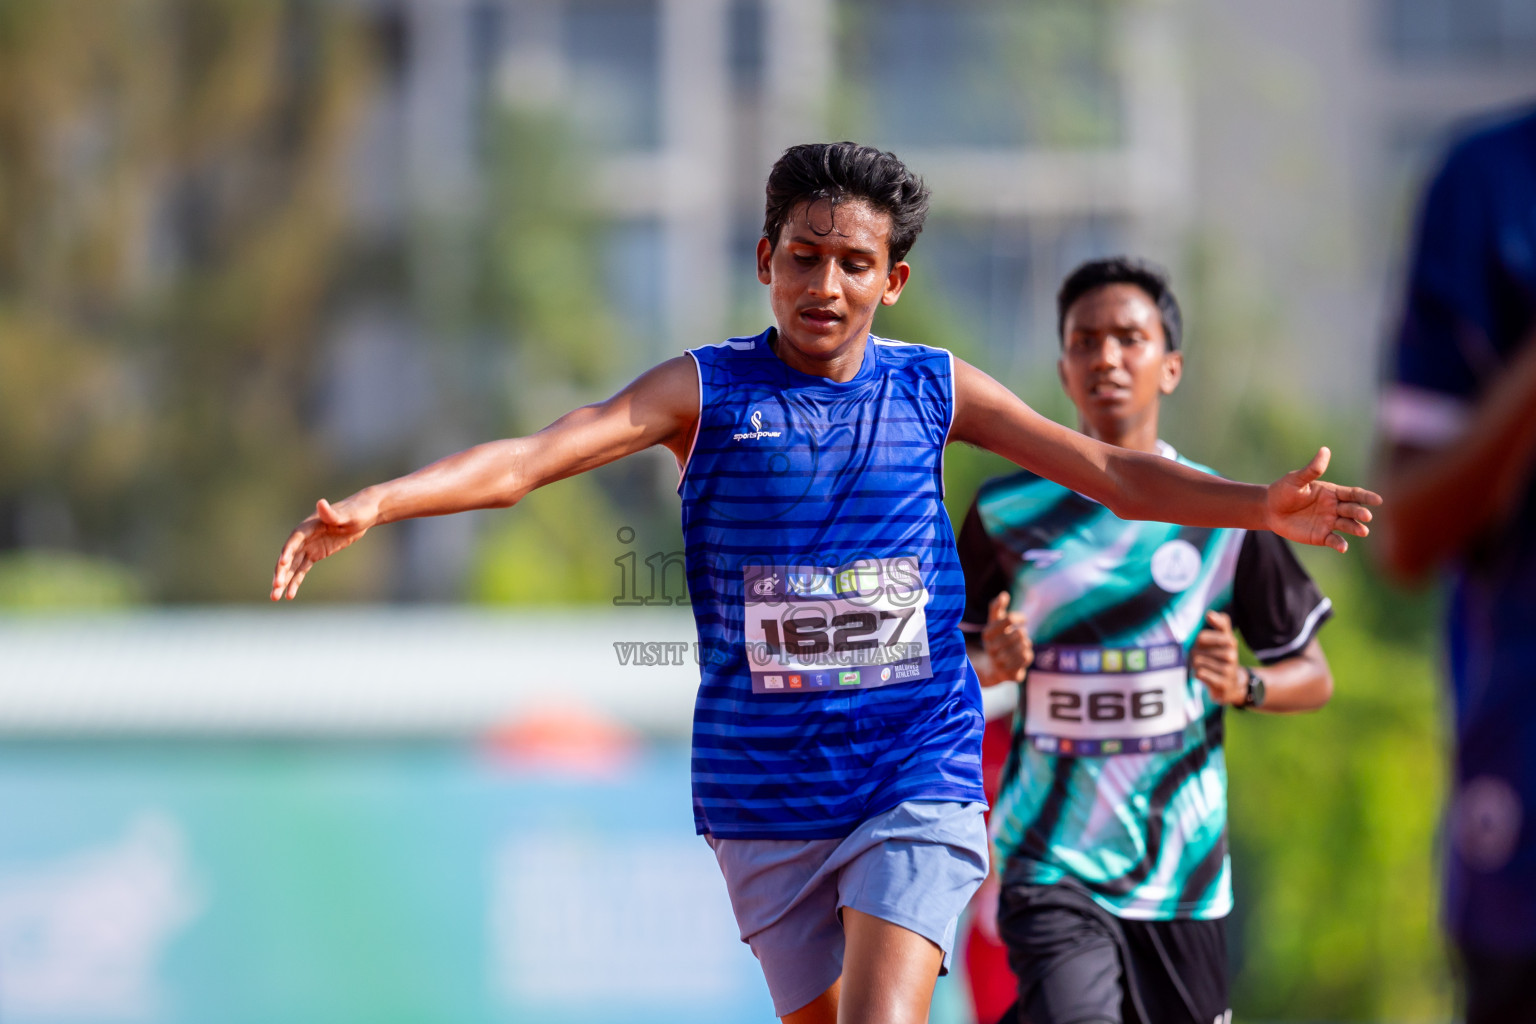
<point>817,628</point>
<point>1097,701</point>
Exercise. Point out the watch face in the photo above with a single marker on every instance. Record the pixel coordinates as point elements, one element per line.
<point>1255,689</point>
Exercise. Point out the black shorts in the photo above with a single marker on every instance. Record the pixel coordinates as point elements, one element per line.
<point>1077,963</point>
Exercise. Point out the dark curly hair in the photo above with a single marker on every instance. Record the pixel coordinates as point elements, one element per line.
<point>840,171</point>
<point>1149,277</point>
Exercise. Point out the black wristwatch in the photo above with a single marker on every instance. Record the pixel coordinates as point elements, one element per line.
<point>1254,698</point>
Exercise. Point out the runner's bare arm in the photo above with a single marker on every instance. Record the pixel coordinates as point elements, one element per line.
<point>1445,498</point>
<point>1137,485</point>
<point>661,406</point>
<point>1300,682</point>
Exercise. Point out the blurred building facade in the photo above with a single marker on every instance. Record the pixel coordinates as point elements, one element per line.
<point>1266,153</point>
<point>684,105</point>
<point>1317,122</point>
<point>1287,134</point>
<point>539,198</point>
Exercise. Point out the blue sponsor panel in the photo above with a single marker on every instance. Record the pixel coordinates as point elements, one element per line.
<point>372,882</point>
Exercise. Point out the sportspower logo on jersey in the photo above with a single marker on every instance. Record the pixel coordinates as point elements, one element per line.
<point>757,430</point>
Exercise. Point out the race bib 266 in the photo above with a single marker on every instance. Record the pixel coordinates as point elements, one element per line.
<point>1096,701</point>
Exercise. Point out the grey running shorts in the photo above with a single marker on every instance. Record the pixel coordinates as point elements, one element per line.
<point>916,866</point>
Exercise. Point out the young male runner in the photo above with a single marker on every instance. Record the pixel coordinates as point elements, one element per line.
<point>835,744</point>
<point>1110,823</point>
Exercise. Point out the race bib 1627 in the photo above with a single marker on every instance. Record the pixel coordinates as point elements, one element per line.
<point>832,628</point>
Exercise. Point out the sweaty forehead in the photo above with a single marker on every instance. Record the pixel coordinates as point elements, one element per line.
<point>848,223</point>
<point>1117,306</point>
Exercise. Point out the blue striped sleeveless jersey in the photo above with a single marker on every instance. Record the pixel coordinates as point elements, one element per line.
<point>827,594</point>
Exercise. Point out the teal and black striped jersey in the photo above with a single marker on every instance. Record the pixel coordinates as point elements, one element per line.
<point>1117,777</point>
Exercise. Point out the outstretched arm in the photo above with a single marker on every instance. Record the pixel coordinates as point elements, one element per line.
<point>661,406</point>
<point>1137,485</point>
<point>1445,498</point>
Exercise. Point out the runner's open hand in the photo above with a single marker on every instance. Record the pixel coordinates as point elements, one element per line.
<point>327,531</point>
<point>1006,641</point>
<point>1306,509</point>
<point>1214,661</point>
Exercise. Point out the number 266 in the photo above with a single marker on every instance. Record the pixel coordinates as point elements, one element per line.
<point>1105,706</point>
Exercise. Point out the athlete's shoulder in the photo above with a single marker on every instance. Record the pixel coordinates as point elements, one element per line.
<point>1492,142</point>
<point>1485,162</point>
<point>913,348</point>
<point>733,346</point>
<point>736,362</point>
<point>893,352</point>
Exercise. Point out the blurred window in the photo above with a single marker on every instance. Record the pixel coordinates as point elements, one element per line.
<point>996,280</point>
<point>390,39</point>
<point>376,383</point>
<point>749,311</point>
<point>487,29</point>
<point>974,73</point>
<point>1459,30</point>
<point>633,252</point>
<point>613,48</point>
<point>746,44</point>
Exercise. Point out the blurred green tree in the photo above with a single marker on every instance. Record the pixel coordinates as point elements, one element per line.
<point>542,287</point>
<point>170,215</point>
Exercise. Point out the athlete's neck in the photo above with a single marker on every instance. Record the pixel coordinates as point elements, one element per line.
<point>840,365</point>
<point>1138,433</point>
